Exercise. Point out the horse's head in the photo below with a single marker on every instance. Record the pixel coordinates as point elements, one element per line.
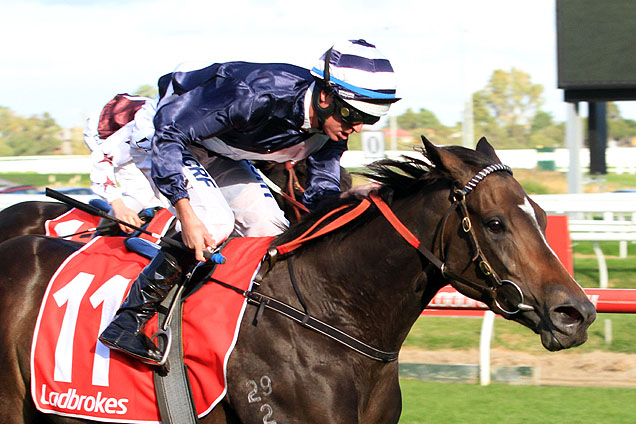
<point>496,248</point>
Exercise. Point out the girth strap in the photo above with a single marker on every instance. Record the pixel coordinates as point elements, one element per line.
<point>172,385</point>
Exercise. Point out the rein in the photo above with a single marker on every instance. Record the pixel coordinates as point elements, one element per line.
<point>458,203</point>
<point>292,184</point>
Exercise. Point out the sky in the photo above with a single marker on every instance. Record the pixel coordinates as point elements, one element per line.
<point>70,57</point>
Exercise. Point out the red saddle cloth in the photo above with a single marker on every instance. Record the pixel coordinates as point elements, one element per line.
<point>73,374</point>
<point>74,225</point>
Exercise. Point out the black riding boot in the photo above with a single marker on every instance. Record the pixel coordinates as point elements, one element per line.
<point>124,333</point>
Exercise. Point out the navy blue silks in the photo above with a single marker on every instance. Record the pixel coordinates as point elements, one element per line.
<point>258,108</point>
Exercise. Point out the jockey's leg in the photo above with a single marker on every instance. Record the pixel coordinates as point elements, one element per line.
<point>155,281</point>
<point>125,332</point>
<point>255,210</point>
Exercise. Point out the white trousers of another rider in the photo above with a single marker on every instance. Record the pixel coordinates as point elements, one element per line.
<point>229,195</point>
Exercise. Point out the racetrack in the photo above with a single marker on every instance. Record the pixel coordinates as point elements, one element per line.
<point>592,369</point>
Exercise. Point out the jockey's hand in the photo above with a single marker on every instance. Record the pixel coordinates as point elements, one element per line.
<point>124,213</point>
<point>361,191</point>
<point>194,233</point>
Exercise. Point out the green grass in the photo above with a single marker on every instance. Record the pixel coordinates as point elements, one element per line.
<point>621,271</point>
<point>47,180</point>
<point>620,180</point>
<point>444,333</point>
<point>452,403</point>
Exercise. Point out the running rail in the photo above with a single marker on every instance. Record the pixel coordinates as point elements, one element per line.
<point>605,300</point>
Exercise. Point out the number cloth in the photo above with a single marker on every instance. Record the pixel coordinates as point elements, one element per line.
<point>74,375</point>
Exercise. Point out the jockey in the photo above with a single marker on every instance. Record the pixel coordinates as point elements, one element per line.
<point>126,120</point>
<point>212,121</point>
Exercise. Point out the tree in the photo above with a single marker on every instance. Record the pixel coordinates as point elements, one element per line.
<point>484,123</point>
<point>147,90</point>
<point>619,129</point>
<point>507,106</point>
<point>28,136</point>
<point>540,121</point>
<point>410,120</point>
<point>544,132</point>
<point>78,146</point>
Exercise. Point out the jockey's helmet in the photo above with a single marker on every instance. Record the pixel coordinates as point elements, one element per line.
<point>360,77</point>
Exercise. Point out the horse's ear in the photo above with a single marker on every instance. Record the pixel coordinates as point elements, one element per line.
<point>486,148</point>
<point>444,159</point>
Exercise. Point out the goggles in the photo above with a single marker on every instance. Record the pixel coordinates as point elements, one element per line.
<point>351,115</point>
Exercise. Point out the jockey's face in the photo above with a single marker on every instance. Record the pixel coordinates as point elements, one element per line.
<point>334,126</point>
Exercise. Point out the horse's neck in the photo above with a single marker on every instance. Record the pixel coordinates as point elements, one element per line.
<point>372,280</point>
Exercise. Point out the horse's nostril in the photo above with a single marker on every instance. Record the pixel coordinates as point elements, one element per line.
<point>567,315</point>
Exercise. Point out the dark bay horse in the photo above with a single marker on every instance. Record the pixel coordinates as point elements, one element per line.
<point>464,220</point>
<point>29,217</point>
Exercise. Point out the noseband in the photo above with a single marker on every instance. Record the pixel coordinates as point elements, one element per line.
<point>498,290</point>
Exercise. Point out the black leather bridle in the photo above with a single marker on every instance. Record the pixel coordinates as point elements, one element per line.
<point>496,285</point>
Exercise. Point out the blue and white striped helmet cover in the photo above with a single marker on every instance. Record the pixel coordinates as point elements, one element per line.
<point>362,75</point>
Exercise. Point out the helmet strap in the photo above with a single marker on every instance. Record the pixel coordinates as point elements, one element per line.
<point>322,113</point>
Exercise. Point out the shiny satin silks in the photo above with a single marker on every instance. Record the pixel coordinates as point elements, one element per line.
<point>257,108</point>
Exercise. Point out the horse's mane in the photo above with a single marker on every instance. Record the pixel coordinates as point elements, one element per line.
<point>399,178</point>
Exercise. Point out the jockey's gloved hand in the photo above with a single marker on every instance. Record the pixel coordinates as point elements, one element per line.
<point>361,191</point>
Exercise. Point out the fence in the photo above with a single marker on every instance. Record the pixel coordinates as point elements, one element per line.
<point>449,299</point>
<point>619,160</point>
<point>596,217</point>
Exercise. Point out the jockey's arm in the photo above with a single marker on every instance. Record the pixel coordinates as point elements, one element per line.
<point>194,233</point>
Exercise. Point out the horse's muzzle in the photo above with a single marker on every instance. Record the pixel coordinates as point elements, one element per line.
<point>567,325</point>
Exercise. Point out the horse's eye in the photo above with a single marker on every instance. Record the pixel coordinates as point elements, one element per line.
<point>495,225</point>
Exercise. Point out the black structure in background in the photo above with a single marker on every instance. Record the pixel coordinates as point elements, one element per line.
<point>596,54</point>
<point>597,132</point>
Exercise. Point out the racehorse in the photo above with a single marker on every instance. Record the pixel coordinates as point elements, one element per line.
<point>460,219</point>
<point>29,217</point>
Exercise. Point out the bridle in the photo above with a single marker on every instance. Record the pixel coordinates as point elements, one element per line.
<point>497,289</point>
<point>495,284</point>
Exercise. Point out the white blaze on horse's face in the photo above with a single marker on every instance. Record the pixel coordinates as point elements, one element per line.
<point>528,209</point>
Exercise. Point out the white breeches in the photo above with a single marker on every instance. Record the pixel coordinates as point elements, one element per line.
<point>229,195</point>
